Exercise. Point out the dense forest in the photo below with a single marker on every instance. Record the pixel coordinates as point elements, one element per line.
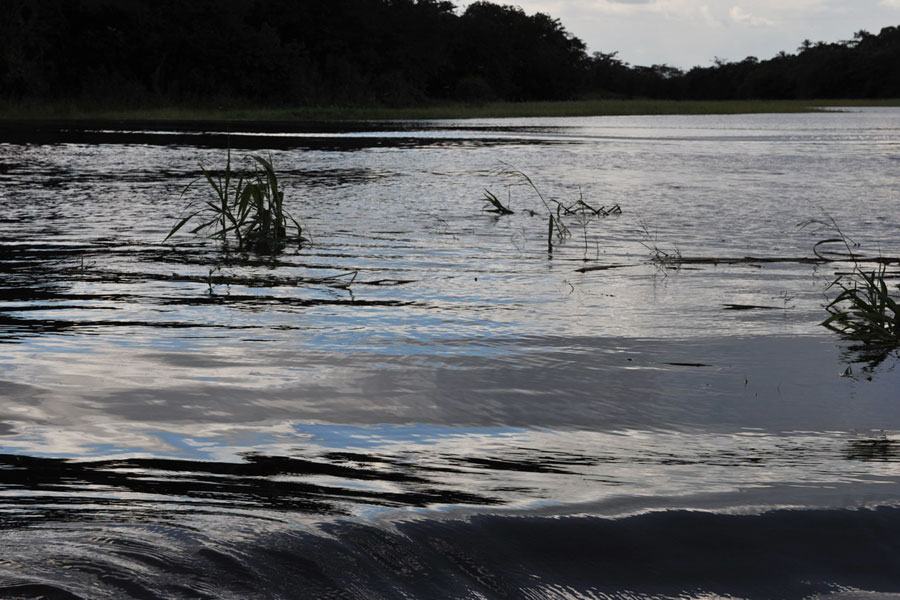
<point>390,52</point>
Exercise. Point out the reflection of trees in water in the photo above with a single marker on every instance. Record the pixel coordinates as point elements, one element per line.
<point>41,277</point>
<point>88,280</point>
<point>879,448</point>
<point>26,274</point>
<point>58,487</point>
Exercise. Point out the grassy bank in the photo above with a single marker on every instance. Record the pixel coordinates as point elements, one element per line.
<point>577,108</point>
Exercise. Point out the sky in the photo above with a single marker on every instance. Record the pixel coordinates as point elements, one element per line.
<point>687,33</point>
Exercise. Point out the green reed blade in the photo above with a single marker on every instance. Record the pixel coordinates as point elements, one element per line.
<point>181,224</point>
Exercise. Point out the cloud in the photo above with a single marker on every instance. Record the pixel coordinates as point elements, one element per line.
<point>742,17</point>
<point>685,33</point>
<point>674,10</point>
<point>707,16</point>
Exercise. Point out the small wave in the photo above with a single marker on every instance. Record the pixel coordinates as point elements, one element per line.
<point>671,554</point>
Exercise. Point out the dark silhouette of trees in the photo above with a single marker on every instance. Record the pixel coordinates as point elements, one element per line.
<point>868,66</point>
<point>389,52</point>
<point>282,51</point>
<point>501,52</point>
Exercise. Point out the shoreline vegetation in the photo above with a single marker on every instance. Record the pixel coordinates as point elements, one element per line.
<point>340,60</point>
<point>26,114</point>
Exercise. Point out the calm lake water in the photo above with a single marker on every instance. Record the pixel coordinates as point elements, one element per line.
<point>426,402</point>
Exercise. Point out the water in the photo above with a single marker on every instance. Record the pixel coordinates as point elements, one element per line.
<point>473,416</point>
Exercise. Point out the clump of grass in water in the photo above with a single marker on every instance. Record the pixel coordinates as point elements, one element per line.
<point>248,207</point>
<point>664,260</point>
<point>865,310</point>
<point>557,231</point>
<point>494,205</point>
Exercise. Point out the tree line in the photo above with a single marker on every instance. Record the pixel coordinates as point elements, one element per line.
<point>866,66</point>
<point>390,52</point>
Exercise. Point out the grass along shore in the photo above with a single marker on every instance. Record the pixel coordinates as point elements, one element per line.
<point>29,111</point>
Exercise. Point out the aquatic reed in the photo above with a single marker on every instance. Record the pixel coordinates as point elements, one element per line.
<point>555,224</point>
<point>865,310</point>
<point>582,213</point>
<point>663,259</point>
<point>247,206</point>
<point>556,212</point>
<point>494,205</point>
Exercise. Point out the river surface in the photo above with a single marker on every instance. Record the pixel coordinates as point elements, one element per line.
<point>430,400</point>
